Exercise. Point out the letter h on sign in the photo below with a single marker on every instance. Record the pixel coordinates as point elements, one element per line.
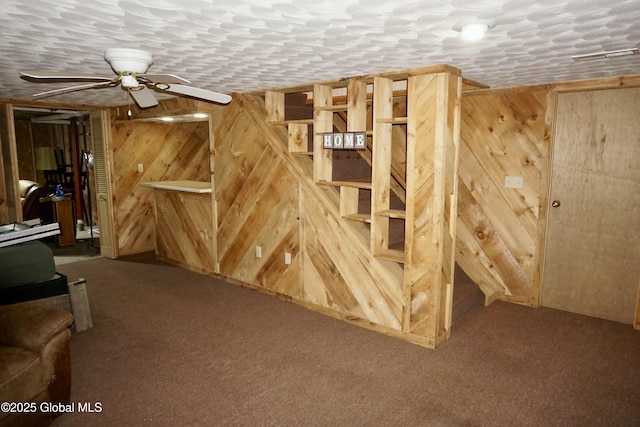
<point>327,139</point>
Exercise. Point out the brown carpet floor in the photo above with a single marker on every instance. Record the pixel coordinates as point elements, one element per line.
<point>171,347</point>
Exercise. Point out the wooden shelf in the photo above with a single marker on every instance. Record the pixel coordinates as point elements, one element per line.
<point>287,122</point>
<point>366,218</point>
<point>367,133</point>
<point>339,107</point>
<point>393,120</point>
<point>393,213</point>
<point>390,255</point>
<point>351,184</point>
<point>302,153</point>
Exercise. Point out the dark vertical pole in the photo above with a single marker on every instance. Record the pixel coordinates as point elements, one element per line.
<point>75,163</point>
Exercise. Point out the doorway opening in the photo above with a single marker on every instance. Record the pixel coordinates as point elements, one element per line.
<point>56,176</point>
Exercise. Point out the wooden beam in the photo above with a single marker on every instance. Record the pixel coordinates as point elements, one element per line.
<point>323,122</point>
<point>275,106</point>
<point>381,163</point>
<point>433,118</point>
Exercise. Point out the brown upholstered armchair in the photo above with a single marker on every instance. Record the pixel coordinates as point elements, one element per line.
<point>30,194</point>
<point>35,363</point>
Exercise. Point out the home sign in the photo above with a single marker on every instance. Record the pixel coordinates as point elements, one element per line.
<point>345,140</point>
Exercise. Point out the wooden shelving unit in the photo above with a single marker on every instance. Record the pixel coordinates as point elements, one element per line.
<point>412,122</point>
<point>297,129</point>
<point>383,122</point>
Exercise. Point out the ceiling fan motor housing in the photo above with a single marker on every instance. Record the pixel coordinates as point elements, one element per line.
<point>128,61</point>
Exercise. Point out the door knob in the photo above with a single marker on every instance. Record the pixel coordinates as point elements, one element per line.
<point>555,203</point>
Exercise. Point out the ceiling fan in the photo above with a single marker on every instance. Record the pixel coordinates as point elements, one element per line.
<point>131,66</point>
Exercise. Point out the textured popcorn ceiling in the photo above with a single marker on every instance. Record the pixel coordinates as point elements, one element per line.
<point>243,45</point>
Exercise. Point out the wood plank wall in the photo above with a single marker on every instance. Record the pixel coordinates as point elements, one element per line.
<point>257,205</point>
<point>167,152</point>
<point>503,133</point>
<point>267,197</point>
<point>184,229</point>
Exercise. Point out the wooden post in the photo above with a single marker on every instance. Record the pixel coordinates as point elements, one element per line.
<point>322,122</point>
<point>76,159</point>
<point>381,163</point>
<point>357,106</point>
<point>433,119</point>
<point>274,104</point>
<point>80,305</point>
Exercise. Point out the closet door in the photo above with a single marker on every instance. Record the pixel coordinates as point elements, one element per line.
<point>592,258</point>
<point>99,133</point>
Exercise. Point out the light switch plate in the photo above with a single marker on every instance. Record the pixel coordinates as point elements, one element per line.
<point>287,258</point>
<point>140,168</point>
<point>258,251</point>
<point>513,182</point>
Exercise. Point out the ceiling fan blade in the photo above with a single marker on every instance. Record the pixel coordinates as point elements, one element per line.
<point>53,75</point>
<point>71,89</point>
<point>195,92</point>
<point>164,78</point>
<point>143,97</point>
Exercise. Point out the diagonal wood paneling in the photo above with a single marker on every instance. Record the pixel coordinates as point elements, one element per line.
<point>352,281</point>
<point>184,230</point>
<point>257,205</point>
<point>333,266</point>
<point>503,133</point>
<point>433,118</point>
<point>167,152</point>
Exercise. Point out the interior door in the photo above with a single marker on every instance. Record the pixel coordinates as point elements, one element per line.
<point>102,177</point>
<point>592,258</point>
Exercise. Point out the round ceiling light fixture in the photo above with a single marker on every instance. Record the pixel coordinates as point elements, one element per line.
<point>473,32</point>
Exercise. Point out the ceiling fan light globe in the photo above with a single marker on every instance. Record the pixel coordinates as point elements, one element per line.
<point>128,81</point>
<point>128,60</point>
